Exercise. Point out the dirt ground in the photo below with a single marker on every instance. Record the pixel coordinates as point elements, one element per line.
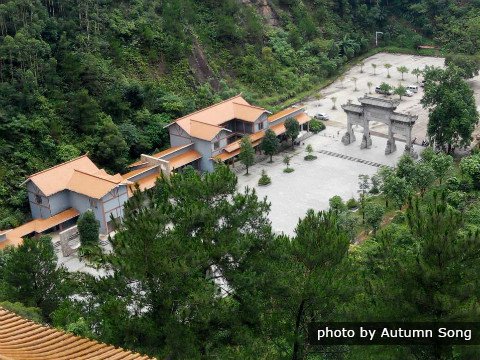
<point>345,90</point>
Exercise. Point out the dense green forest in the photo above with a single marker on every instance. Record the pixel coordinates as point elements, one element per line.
<point>104,76</point>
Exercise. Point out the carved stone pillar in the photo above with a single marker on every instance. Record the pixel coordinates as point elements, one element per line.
<point>391,146</point>
<point>366,139</point>
<point>409,147</point>
<point>349,136</point>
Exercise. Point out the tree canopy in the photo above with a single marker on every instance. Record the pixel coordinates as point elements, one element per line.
<point>451,105</point>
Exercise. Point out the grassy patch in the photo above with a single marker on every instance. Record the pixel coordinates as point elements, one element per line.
<point>288,170</point>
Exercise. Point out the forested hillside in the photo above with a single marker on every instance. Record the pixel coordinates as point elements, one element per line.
<point>105,76</point>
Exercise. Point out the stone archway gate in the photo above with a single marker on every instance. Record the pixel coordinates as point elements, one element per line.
<point>383,111</point>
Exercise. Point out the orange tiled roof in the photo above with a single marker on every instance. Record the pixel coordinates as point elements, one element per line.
<point>204,131</point>
<point>144,183</point>
<point>234,108</point>
<point>22,339</point>
<point>302,118</point>
<point>160,154</point>
<point>136,172</point>
<point>225,156</point>
<point>55,179</point>
<point>233,151</point>
<point>184,159</point>
<point>284,112</point>
<point>253,138</point>
<point>14,236</point>
<point>93,186</point>
<point>80,175</point>
<point>278,129</point>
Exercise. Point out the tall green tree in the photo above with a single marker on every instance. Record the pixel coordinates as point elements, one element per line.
<point>373,215</point>
<point>191,260</point>
<point>29,275</point>
<point>88,229</point>
<point>292,129</point>
<point>318,250</point>
<point>247,152</point>
<point>400,91</point>
<point>270,144</point>
<point>452,109</point>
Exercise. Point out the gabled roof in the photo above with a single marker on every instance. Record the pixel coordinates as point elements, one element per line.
<point>234,108</point>
<point>22,339</point>
<point>55,179</point>
<point>93,186</point>
<point>204,131</point>
<point>80,175</point>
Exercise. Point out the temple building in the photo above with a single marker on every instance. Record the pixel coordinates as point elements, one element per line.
<point>213,134</point>
<point>58,195</point>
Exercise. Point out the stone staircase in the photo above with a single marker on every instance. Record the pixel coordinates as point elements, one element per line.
<point>351,158</point>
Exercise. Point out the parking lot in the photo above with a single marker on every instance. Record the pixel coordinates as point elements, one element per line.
<point>344,90</point>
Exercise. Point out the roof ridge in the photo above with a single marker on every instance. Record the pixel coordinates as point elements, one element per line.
<point>95,176</point>
<point>204,123</point>
<point>205,108</point>
<point>252,106</point>
<point>55,166</point>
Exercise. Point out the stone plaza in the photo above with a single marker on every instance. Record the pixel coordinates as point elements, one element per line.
<point>313,183</point>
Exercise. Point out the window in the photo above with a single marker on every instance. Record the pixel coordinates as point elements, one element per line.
<point>38,199</point>
<point>260,126</point>
<point>216,145</point>
<point>93,203</point>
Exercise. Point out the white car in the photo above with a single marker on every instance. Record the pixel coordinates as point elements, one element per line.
<point>409,93</point>
<point>321,116</point>
<point>412,88</point>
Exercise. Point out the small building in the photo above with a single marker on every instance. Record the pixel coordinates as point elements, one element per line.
<point>58,195</point>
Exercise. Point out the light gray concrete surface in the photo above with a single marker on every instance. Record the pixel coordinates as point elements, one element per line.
<point>313,183</point>
<point>346,91</point>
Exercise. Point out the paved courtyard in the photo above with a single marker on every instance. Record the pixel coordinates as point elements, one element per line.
<point>345,90</point>
<point>314,182</point>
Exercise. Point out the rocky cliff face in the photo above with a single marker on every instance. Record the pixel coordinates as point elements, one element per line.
<point>264,9</point>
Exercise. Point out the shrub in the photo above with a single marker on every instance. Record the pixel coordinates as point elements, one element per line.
<point>88,230</point>
<point>336,204</point>
<point>352,204</point>
<point>264,179</point>
<point>310,155</point>
<point>288,170</point>
<point>316,126</point>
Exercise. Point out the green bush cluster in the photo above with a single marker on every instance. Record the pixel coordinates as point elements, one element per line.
<point>352,204</point>
<point>316,126</point>
<point>264,179</point>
